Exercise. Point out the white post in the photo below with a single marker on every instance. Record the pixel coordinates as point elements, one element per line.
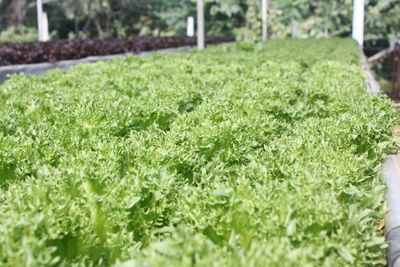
<point>295,29</point>
<point>190,26</point>
<point>200,24</point>
<point>358,21</point>
<point>45,28</point>
<point>264,16</point>
<point>39,18</point>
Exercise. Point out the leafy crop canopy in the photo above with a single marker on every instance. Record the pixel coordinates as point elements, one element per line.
<point>240,155</point>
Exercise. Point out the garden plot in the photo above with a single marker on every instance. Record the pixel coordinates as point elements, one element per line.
<point>239,155</point>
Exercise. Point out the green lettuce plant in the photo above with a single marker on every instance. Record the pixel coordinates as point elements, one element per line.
<point>239,155</point>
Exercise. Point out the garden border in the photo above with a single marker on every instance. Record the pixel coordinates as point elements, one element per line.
<point>372,84</point>
<point>42,68</point>
<point>391,175</point>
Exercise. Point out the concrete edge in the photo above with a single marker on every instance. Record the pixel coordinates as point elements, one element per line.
<point>372,85</point>
<point>391,174</point>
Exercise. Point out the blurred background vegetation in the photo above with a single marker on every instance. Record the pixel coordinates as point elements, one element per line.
<point>242,18</point>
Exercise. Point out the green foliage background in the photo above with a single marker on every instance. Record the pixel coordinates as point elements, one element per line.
<point>104,18</point>
<point>240,155</point>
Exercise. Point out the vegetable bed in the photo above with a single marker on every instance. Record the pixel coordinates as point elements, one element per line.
<point>52,51</point>
<point>239,155</point>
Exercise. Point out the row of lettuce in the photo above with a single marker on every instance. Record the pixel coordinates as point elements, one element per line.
<point>241,155</point>
<point>56,50</point>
